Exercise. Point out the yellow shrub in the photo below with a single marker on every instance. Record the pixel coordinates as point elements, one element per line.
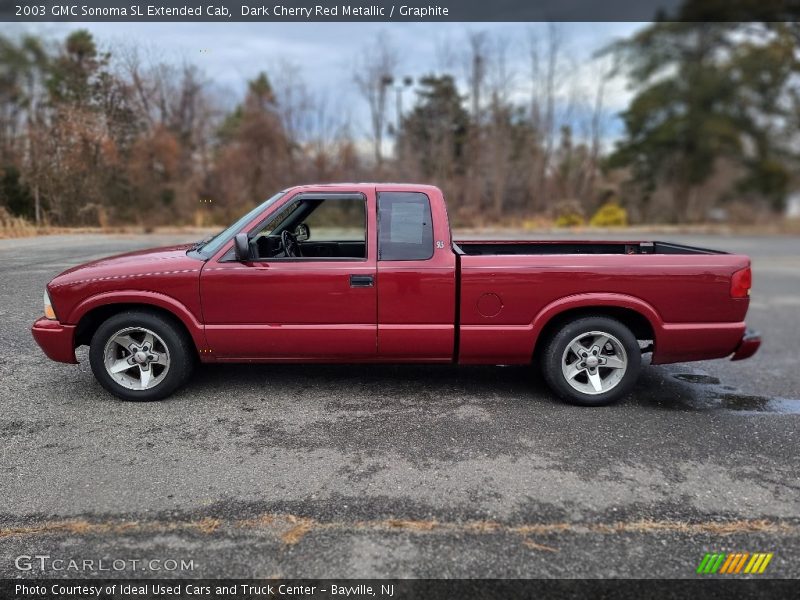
<point>571,219</point>
<point>568,213</point>
<point>611,214</point>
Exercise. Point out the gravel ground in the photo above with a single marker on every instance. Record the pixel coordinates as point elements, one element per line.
<point>399,471</point>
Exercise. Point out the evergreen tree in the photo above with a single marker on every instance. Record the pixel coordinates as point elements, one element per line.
<point>434,134</point>
<point>707,92</point>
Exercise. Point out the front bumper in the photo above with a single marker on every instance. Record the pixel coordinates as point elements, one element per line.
<point>751,341</point>
<point>55,339</point>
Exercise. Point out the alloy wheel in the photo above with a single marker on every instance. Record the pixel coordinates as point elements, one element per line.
<point>594,362</point>
<point>136,358</point>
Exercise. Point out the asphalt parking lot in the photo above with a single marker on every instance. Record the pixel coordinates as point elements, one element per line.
<point>399,471</point>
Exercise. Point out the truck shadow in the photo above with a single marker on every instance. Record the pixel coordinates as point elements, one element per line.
<point>357,386</point>
<point>440,382</point>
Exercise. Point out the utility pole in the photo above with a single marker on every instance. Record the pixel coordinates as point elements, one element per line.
<point>386,81</point>
<point>399,89</point>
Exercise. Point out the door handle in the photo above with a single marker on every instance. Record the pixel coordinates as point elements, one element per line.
<point>362,281</point>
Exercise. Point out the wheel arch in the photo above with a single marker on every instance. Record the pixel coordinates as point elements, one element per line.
<point>93,311</point>
<point>640,317</point>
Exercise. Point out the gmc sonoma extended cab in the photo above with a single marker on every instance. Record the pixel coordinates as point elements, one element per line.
<point>360,273</point>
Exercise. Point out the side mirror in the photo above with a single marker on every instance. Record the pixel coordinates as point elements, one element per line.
<point>241,247</point>
<point>302,232</point>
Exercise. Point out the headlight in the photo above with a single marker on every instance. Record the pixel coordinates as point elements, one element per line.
<point>48,307</point>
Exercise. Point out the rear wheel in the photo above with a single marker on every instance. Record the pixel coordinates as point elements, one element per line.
<point>592,361</point>
<point>138,355</point>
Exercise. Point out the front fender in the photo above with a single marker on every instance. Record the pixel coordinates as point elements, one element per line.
<point>156,299</point>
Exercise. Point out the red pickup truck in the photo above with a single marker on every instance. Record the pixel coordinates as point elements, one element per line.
<point>360,273</point>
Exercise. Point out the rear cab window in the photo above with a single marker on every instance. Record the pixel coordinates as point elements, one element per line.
<point>405,226</point>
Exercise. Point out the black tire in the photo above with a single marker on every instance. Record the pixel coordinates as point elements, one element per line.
<point>179,346</point>
<point>619,384</point>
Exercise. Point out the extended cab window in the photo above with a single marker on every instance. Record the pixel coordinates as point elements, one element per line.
<point>318,228</point>
<point>405,226</point>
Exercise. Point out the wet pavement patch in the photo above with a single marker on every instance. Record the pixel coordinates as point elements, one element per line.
<point>758,404</point>
<point>725,397</point>
<point>694,378</point>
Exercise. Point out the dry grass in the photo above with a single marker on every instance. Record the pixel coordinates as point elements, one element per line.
<point>208,525</point>
<point>791,225</point>
<point>483,526</point>
<point>78,527</point>
<point>299,527</point>
<point>530,228</point>
<point>82,527</point>
<point>17,227</point>
<point>713,527</point>
<point>403,524</point>
<point>547,528</point>
<point>291,529</point>
<point>12,227</point>
<point>260,521</point>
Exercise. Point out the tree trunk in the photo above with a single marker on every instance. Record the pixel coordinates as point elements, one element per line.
<point>680,203</point>
<point>36,205</point>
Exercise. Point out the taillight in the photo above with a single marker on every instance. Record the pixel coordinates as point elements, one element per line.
<point>741,282</point>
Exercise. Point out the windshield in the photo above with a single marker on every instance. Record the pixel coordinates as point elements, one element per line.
<point>209,248</point>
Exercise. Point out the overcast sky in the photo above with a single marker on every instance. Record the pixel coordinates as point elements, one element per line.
<point>231,53</point>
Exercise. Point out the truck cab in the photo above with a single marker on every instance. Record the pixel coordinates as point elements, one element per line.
<point>364,274</point>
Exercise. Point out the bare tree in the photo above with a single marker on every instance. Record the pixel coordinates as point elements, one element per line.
<point>500,83</point>
<point>606,69</point>
<point>545,57</point>
<point>475,64</point>
<point>476,69</point>
<point>295,108</point>
<point>374,74</point>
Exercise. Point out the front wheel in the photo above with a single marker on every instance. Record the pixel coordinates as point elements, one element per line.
<point>592,361</point>
<point>139,355</point>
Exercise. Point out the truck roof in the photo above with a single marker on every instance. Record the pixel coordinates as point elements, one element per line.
<point>404,187</point>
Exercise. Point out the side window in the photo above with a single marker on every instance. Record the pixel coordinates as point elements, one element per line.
<point>279,218</point>
<point>405,226</point>
<point>319,228</point>
<point>338,220</point>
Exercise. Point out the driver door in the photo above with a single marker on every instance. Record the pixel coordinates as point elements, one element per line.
<point>321,305</point>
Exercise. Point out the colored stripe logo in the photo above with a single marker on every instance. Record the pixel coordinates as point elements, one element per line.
<point>734,563</point>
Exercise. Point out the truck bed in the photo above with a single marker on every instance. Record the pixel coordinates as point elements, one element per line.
<point>506,287</point>
<point>489,248</point>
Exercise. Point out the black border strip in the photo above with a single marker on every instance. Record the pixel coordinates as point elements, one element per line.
<point>406,589</point>
<point>227,11</point>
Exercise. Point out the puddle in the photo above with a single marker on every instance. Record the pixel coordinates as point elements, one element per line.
<point>709,394</point>
<point>757,404</point>
<point>693,378</point>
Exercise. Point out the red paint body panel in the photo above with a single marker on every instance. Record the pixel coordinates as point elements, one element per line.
<point>681,342</point>
<point>417,298</point>
<point>486,309</point>
<point>416,311</point>
<point>665,289</point>
<point>55,339</point>
<point>292,309</point>
<point>163,277</point>
<point>289,309</point>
